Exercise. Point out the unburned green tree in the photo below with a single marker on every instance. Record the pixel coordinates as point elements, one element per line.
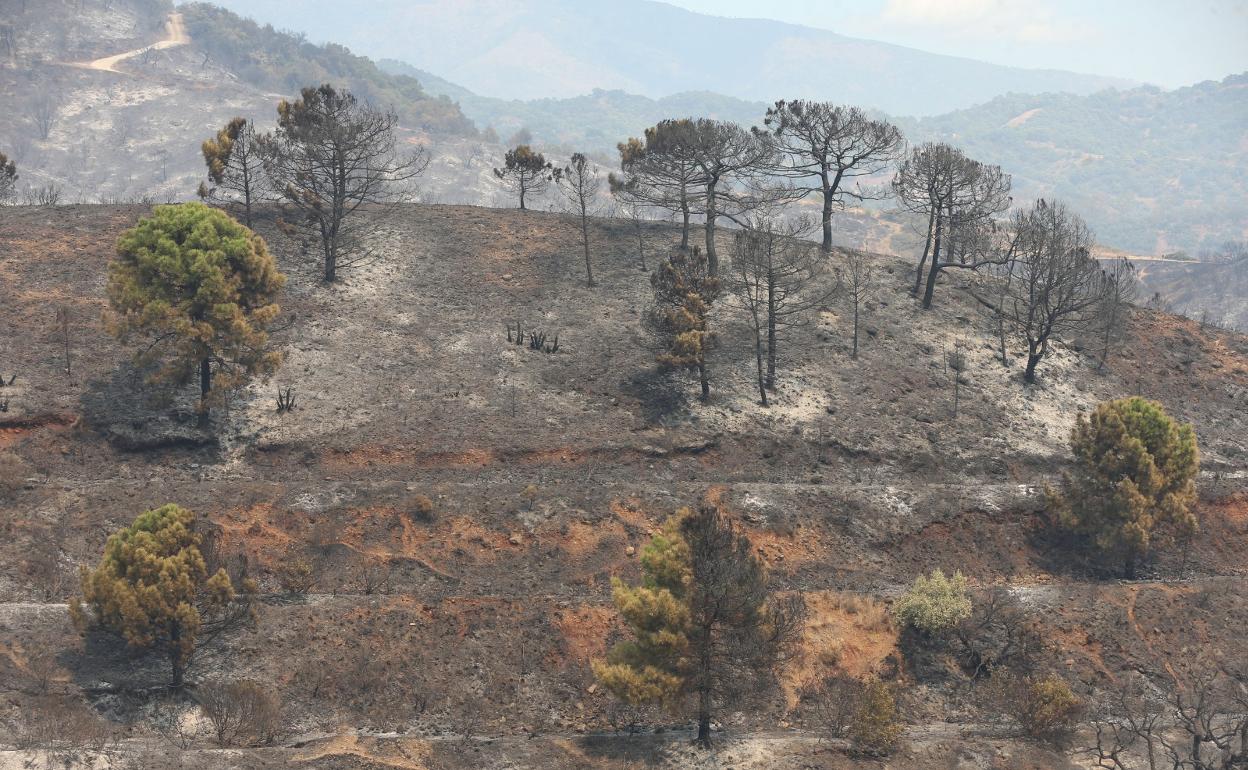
<point>704,624</point>
<point>153,588</point>
<point>1134,479</point>
<point>526,172</point>
<point>683,293</point>
<point>200,288</point>
<point>656,611</point>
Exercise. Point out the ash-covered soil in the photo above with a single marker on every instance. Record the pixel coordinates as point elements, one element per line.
<point>547,472</point>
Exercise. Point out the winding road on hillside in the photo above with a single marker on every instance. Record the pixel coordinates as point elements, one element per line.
<point>175,32</point>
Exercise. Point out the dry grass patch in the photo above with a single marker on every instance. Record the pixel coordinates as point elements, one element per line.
<point>13,470</point>
<point>844,633</point>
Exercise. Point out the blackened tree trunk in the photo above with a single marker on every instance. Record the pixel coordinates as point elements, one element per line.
<point>1034,354</point>
<point>829,198</point>
<point>854,355</point>
<point>1001,324</point>
<point>331,252</point>
<point>704,718</point>
<point>205,387</point>
<point>684,219</point>
<point>712,258</point>
<point>247,183</point>
<point>934,271</point>
<point>1005,353</point>
<point>927,250</point>
<point>704,682</point>
<point>589,268</point>
<point>179,667</point>
<point>771,330</point>
<point>758,360</point>
<point>705,380</point>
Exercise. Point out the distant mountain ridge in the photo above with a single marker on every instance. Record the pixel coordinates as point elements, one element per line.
<point>1153,171</point>
<point>529,49</point>
<point>593,121</point>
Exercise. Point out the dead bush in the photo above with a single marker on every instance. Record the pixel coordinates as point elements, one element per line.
<point>862,712</point>
<point>833,703</point>
<point>169,718</point>
<point>1044,707</point>
<point>240,712</point>
<point>297,574</point>
<point>50,581</point>
<point>40,671</point>
<point>872,614</point>
<point>372,680</point>
<point>875,728</point>
<point>13,471</point>
<point>998,634</point>
<point>420,509</point>
<point>68,732</point>
<point>374,576</point>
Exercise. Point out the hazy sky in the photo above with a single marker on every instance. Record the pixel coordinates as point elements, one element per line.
<point>1167,42</point>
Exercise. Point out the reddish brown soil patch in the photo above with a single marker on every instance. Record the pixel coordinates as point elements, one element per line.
<point>789,551</point>
<point>843,633</point>
<point>630,512</point>
<point>583,540</point>
<point>585,630</point>
<point>255,532</point>
<point>981,546</point>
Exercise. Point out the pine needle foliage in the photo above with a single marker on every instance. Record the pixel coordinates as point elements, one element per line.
<point>152,588</point>
<point>1134,480</point>
<point>703,622</point>
<point>684,290</point>
<point>200,288</point>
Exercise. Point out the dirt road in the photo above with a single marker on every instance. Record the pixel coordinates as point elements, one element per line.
<point>176,36</point>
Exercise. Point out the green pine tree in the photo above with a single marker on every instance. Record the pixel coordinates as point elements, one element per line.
<point>649,668</point>
<point>703,622</point>
<point>201,288</point>
<point>153,589</point>
<point>1134,479</point>
<point>684,290</point>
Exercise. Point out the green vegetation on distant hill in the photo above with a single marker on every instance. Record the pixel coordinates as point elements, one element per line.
<point>281,61</point>
<point>1152,170</point>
